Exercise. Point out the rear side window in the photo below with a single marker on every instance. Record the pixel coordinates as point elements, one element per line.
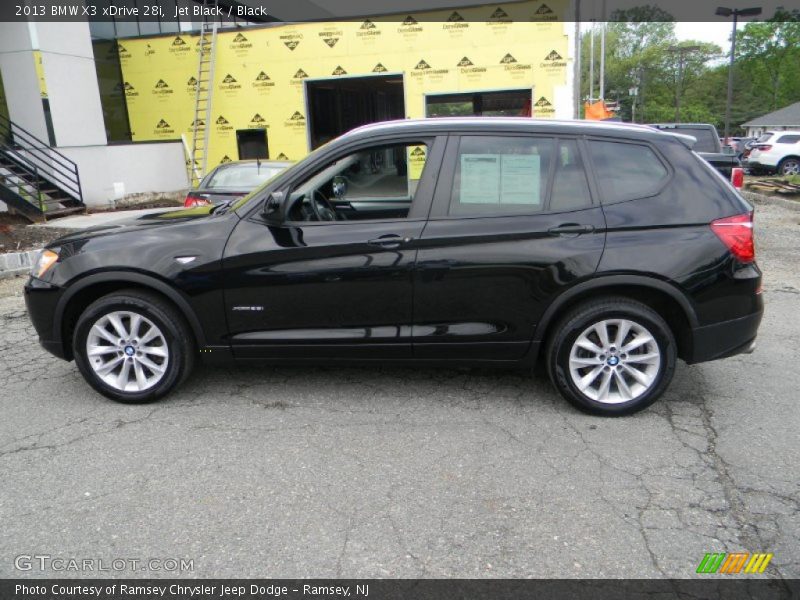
<point>626,171</point>
<point>501,175</point>
<point>789,139</point>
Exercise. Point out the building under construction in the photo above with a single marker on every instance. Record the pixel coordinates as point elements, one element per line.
<point>146,110</point>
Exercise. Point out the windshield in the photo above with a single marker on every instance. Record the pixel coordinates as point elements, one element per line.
<point>245,176</point>
<point>256,192</point>
<point>764,138</point>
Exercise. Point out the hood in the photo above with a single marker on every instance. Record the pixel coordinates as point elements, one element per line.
<point>141,223</point>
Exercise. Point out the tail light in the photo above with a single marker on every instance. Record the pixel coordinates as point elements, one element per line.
<point>195,200</point>
<point>737,177</point>
<point>763,147</point>
<point>737,234</point>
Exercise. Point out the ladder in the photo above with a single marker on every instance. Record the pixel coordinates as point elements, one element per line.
<point>201,126</point>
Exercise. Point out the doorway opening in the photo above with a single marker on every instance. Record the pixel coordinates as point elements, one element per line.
<point>336,106</point>
<point>252,143</point>
<point>506,103</point>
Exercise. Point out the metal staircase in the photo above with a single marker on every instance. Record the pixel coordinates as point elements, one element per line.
<point>201,126</point>
<point>36,180</point>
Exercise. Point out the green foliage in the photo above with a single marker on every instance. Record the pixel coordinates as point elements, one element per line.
<point>642,54</point>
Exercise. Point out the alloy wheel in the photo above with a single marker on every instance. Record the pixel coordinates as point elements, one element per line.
<point>791,167</point>
<point>127,351</point>
<point>614,361</point>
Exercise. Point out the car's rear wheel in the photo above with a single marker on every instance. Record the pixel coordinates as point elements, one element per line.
<point>789,166</point>
<point>611,356</point>
<point>132,346</point>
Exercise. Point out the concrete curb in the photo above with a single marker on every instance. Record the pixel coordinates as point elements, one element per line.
<point>14,264</point>
<point>765,199</point>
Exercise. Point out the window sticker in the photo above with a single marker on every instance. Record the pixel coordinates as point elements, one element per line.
<point>480,179</point>
<point>500,179</point>
<point>520,176</point>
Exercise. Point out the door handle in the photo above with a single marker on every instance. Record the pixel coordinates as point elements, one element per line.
<point>570,229</point>
<point>389,241</point>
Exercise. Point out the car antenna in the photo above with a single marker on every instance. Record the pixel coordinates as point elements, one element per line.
<point>258,165</point>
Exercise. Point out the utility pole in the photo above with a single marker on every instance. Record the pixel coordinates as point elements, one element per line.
<point>603,51</point>
<point>641,94</point>
<point>634,91</point>
<point>577,84</point>
<point>591,63</point>
<point>723,11</point>
<point>681,51</point>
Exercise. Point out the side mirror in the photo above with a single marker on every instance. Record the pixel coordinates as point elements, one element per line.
<point>339,186</point>
<point>273,208</point>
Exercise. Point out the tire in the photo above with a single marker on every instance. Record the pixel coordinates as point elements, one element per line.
<point>570,362</point>
<point>789,166</point>
<point>164,348</point>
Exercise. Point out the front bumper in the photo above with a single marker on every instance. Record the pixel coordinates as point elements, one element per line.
<point>725,339</point>
<point>41,300</point>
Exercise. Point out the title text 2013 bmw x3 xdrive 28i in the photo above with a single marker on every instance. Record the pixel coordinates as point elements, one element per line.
<point>607,250</point>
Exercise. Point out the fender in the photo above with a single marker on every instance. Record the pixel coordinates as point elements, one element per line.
<point>128,277</point>
<point>609,281</point>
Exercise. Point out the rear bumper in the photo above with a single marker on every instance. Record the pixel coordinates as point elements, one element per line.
<point>725,339</point>
<point>754,164</point>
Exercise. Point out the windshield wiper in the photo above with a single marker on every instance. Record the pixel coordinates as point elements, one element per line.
<point>220,208</point>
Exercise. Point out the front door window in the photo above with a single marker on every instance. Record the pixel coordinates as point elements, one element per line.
<point>374,182</point>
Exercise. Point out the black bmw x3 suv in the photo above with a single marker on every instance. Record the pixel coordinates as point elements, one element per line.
<point>608,250</point>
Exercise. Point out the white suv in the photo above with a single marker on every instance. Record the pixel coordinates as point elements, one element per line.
<point>778,153</point>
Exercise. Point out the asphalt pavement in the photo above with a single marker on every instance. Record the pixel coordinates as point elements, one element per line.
<point>379,472</point>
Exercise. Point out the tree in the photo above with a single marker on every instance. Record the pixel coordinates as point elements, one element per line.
<point>638,54</point>
<point>769,52</point>
<point>636,40</point>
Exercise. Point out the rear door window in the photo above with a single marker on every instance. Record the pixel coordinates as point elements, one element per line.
<point>570,186</point>
<point>789,139</point>
<point>501,175</point>
<point>626,171</point>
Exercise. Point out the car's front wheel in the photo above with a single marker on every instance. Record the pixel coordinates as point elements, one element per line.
<point>789,166</point>
<point>132,346</point>
<point>611,356</point>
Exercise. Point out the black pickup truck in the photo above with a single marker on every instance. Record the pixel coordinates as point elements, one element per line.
<point>708,145</point>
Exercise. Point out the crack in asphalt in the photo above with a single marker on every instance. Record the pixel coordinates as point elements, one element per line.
<point>463,469</point>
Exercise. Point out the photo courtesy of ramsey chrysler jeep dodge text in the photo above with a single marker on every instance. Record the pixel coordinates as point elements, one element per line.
<point>607,251</point>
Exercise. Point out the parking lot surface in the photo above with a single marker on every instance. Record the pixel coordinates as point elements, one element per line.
<point>326,472</point>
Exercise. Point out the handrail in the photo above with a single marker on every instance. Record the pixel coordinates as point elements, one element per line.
<point>52,154</point>
<point>45,161</point>
<point>58,177</point>
<point>11,125</point>
<point>26,189</point>
<point>72,167</point>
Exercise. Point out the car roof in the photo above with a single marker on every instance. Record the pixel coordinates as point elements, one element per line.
<point>679,125</point>
<point>507,124</point>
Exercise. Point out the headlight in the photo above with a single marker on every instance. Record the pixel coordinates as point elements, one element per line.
<point>46,260</point>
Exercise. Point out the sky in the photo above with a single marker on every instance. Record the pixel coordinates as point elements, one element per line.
<point>717,33</point>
